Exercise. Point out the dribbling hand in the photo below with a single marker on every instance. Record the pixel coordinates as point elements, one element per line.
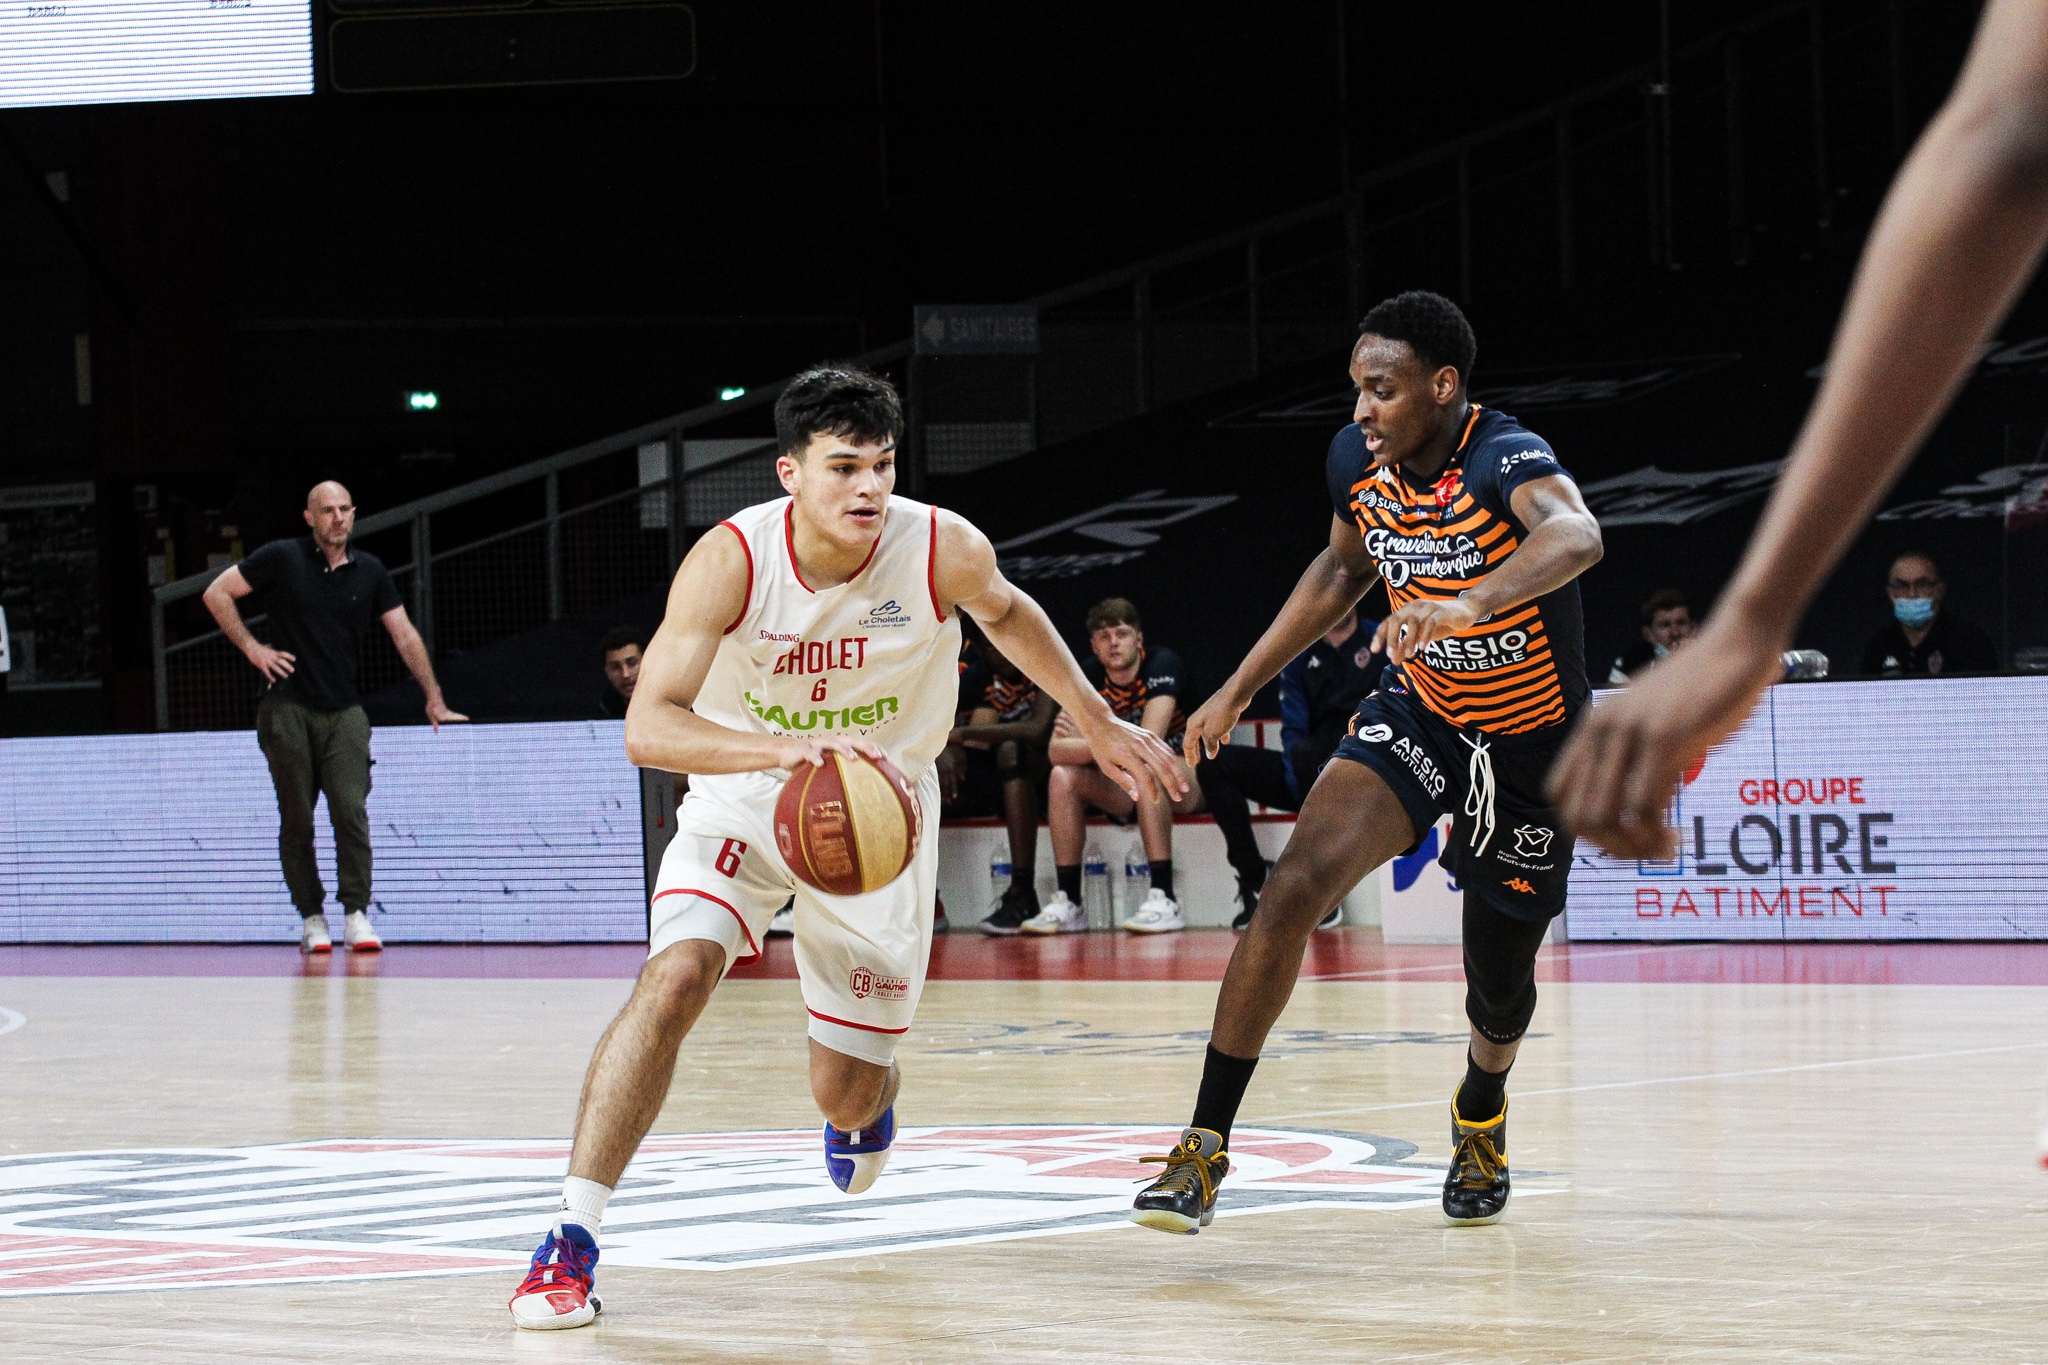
<point>796,752</point>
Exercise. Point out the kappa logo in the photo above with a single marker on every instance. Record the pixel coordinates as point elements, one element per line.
<point>1533,841</point>
<point>1376,734</point>
<point>1518,884</point>
<point>189,1218</point>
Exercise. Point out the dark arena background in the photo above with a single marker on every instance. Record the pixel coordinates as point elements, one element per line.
<point>527,278</point>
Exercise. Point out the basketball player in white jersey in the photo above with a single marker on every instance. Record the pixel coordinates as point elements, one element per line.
<point>824,621</point>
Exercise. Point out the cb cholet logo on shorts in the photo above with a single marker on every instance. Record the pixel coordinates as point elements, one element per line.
<point>866,982</point>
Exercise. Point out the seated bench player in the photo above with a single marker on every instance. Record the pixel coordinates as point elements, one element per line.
<point>1142,686</point>
<point>995,764</point>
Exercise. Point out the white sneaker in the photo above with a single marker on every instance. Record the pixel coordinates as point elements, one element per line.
<point>1156,915</point>
<point>1060,916</point>
<point>313,935</point>
<point>784,923</point>
<point>357,933</point>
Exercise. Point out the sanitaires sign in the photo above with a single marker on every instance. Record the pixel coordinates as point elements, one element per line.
<point>1895,809</point>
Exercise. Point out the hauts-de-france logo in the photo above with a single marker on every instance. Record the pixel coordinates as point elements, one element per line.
<point>185,1218</point>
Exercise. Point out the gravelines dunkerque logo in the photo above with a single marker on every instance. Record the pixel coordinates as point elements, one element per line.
<point>187,1218</point>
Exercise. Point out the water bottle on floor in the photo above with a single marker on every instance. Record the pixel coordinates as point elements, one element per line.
<point>1095,886</point>
<point>1136,882</point>
<point>999,872</point>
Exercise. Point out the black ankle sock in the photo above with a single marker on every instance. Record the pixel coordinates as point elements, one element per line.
<point>1069,875</point>
<point>1162,880</point>
<point>1482,1093</point>
<point>1224,1078</point>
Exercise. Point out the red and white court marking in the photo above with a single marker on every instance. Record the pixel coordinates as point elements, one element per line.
<point>84,1222</point>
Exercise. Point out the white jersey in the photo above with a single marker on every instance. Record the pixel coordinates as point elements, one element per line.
<point>874,658</point>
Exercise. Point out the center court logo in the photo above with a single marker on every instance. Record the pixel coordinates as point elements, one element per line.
<point>188,1218</point>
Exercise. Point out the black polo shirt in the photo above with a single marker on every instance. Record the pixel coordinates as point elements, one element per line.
<point>319,615</point>
<point>1952,645</point>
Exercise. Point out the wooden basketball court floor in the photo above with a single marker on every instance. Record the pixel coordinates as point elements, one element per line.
<point>1723,1153</point>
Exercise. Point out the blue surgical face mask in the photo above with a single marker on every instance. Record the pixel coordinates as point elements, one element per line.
<point>1913,612</point>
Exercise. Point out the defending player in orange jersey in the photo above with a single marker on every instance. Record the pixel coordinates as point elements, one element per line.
<point>1479,535</point>
<point>824,621</point>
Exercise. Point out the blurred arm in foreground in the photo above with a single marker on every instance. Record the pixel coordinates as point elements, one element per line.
<point>1960,233</point>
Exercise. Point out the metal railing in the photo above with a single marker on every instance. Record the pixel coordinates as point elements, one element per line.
<point>1585,182</point>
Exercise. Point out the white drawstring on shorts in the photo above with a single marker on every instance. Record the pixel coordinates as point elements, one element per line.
<point>1479,793</point>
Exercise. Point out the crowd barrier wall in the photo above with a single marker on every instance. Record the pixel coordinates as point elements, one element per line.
<point>1907,809</point>
<point>1862,810</point>
<point>482,834</point>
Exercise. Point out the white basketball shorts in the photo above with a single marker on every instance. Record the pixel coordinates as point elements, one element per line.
<point>861,959</point>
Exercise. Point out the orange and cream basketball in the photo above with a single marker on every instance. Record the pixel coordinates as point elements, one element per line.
<point>847,826</point>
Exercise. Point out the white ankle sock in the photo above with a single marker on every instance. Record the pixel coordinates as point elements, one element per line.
<point>583,1203</point>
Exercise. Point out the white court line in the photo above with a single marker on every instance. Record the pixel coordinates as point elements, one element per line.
<point>1664,1080</point>
<point>1553,956</point>
<point>10,1020</point>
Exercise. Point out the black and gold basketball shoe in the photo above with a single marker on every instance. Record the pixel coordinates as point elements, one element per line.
<point>1184,1198</point>
<point>1476,1187</point>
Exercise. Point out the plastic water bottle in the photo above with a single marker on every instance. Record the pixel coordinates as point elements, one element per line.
<point>1805,665</point>
<point>1095,886</point>
<point>999,871</point>
<point>1137,881</point>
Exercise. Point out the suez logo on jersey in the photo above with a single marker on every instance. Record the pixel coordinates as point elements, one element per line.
<point>1816,827</point>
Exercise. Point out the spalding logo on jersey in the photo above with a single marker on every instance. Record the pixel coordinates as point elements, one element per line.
<point>189,1218</point>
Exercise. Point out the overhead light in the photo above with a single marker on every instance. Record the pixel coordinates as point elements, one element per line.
<point>423,400</point>
<point>727,395</point>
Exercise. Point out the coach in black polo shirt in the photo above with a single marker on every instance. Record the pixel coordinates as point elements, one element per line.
<point>322,597</point>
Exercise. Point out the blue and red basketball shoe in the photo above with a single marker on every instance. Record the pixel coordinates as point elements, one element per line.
<point>557,1291</point>
<point>854,1159</point>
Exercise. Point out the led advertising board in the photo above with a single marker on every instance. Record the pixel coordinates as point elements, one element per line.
<point>1853,810</point>
<point>116,51</point>
<point>481,834</point>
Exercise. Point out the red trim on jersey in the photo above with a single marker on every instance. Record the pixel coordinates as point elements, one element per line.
<point>789,543</point>
<point>931,569</point>
<point>848,1023</point>
<point>748,600</point>
<point>755,955</point>
<point>789,539</point>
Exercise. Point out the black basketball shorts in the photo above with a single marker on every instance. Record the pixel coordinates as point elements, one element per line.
<point>1507,846</point>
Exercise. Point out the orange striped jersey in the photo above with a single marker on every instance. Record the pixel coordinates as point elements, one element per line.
<point>1159,675</point>
<point>1515,671</point>
<point>1010,698</point>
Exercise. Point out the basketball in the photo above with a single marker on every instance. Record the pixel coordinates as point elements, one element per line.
<point>848,826</point>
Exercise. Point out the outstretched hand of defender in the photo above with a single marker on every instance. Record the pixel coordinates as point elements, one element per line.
<point>1136,759</point>
<point>1414,626</point>
<point>1209,728</point>
<point>1618,772</point>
